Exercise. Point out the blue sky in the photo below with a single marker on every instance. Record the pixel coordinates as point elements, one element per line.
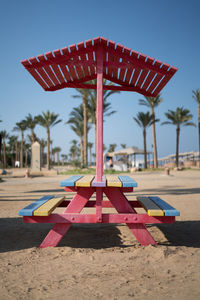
<point>166,30</point>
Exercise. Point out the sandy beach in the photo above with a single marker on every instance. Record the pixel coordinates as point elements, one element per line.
<point>101,261</point>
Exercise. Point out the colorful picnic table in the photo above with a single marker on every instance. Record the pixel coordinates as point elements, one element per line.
<point>74,67</point>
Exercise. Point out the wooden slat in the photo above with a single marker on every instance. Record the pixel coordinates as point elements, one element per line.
<point>157,78</point>
<point>151,208</point>
<point>101,183</point>
<point>129,68</point>
<point>47,68</point>
<point>66,52</point>
<point>35,75</point>
<point>28,210</point>
<point>110,57</point>
<point>113,180</point>
<point>76,65</point>
<point>63,68</point>
<point>47,208</point>
<point>144,73</point>
<point>127,181</point>
<point>168,209</point>
<point>148,80</point>
<point>83,57</point>
<point>90,47</point>
<point>41,72</point>
<point>104,42</point>
<point>55,68</point>
<point>165,80</point>
<point>85,181</point>
<point>137,69</point>
<point>71,180</point>
<point>119,49</point>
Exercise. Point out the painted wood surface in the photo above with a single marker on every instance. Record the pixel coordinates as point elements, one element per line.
<point>121,204</point>
<point>101,183</point>
<point>126,67</point>
<point>59,230</point>
<point>127,181</point>
<point>113,180</point>
<point>48,207</point>
<point>71,180</point>
<point>167,208</point>
<point>28,210</point>
<point>150,206</point>
<point>99,116</point>
<point>85,181</point>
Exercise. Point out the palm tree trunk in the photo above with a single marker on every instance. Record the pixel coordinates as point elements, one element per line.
<point>82,151</point>
<point>21,150</point>
<point>145,149</point>
<point>26,158</point>
<point>85,129</point>
<point>4,155</point>
<point>177,146</point>
<point>155,156</point>
<point>90,156</point>
<point>48,150</point>
<point>16,153</point>
<point>42,156</point>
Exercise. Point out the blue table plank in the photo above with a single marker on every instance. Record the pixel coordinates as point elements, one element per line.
<point>71,180</point>
<point>127,181</point>
<point>168,209</point>
<point>28,210</point>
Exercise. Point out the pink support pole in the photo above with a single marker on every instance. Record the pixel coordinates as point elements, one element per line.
<point>99,116</point>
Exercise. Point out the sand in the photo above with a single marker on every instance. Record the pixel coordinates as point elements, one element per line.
<point>101,261</point>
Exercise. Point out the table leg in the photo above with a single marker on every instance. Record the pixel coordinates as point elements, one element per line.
<point>120,202</point>
<point>59,230</point>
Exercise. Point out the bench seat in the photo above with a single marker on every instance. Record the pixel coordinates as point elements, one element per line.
<point>87,181</point>
<point>155,206</point>
<point>42,207</point>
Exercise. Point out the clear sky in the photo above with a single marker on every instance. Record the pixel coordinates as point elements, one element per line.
<point>166,30</point>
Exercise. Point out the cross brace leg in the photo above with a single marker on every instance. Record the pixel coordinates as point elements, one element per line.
<point>120,202</point>
<point>59,230</point>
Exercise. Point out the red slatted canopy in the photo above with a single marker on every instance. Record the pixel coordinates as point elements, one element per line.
<point>75,65</point>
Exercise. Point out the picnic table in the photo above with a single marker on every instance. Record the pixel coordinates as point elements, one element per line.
<point>74,67</point>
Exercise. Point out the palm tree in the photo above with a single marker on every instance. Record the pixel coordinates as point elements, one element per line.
<point>123,146</point>
<point>74,150</point>
<point>84,94</point>
<point>196,96</point>
<point>43,144</point>
<point>106,105</point>
<point>31,123</point>
<point>90,145</point>
<point>57,150</point>
<point>178,117</point>
<point>21,126</point>
<point>4,136</point>
<point>48,120</point>
<point>76,122</point>
<point>112,147</point>
<point>27,148</point>
<point>13,149</point>
<point>144,120</point>
<point>153,102</point>
<point>64,158</point>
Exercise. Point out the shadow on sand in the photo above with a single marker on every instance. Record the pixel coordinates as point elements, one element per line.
<point>16,235</point>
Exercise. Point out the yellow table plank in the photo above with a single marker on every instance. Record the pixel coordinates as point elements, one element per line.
<point>113,180</point>
<point>85,181</point>
<point>151,208</point>
<point>47,208</point>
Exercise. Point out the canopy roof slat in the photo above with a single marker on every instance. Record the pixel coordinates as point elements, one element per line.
<point>75,65</point>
